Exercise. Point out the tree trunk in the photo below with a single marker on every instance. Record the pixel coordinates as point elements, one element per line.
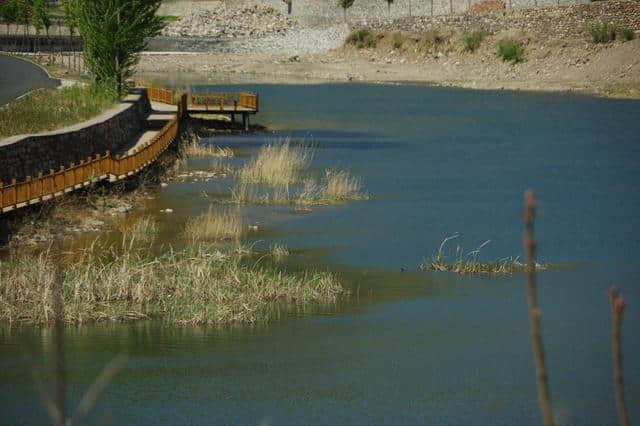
<point>344,13</point>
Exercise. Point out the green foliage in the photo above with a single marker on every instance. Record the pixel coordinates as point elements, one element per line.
<point>49,109</point>
<point>626,34</point>
<point>362,38</point>
<point>40,15</point>
<point>606,32</point>
<point>169,18</point>
<point>511,50</point>
<point>23,12</point>
<point>114,33</point>
<point>472,41</point>
<point>602,33</point>
<point>70,10</point>
<point>9,12</point>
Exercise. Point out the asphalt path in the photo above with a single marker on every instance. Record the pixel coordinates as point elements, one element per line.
<point>18,77</point>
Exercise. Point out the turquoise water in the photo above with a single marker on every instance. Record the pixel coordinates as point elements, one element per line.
<point>410,347</point>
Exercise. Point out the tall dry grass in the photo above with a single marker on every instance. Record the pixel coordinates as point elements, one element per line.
<point>276,164</point>
<point>216,224</point>
<point>199,285</point>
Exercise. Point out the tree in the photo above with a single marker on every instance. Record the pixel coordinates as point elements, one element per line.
<point>389,7</point>
<point>23,11</point>
<point>345,4</point>
<point>9,13</point>
<point>70,9</point>
<point>114,33</point>
<point>40,17</point>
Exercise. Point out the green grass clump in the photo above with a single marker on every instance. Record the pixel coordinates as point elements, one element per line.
<point>362,38</point>
<point>626,34</point>
<point>472,41</point>
<point>199,285</point>
<point>511,50</point>
<point>602,33</point>
<point>50,109</point>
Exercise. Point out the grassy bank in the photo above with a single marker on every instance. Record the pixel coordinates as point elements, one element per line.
<point>199,285</point>
<point>50,109</point>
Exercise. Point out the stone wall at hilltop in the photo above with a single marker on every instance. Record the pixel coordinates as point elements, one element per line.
<point>368,11</point>
<point>559,22</point>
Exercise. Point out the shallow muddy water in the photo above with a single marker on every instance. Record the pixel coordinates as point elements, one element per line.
<point>409,347</point>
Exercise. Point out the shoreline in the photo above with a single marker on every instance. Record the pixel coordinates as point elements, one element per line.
<point>345,67</point>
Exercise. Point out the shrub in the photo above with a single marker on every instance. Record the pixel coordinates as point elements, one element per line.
<point>432,38</point>
<point>473,40</point>
<point>398,40</point>
<point>510,50</point>
<point>362,38</point>
<point>602,33</point>
<point>626,34</point>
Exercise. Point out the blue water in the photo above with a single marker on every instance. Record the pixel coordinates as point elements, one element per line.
<point>409,347</point>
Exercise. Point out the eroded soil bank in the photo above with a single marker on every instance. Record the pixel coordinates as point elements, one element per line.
<point>559,53</point>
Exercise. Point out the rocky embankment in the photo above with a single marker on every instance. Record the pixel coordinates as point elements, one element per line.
<point>559,53</point>
<point>228,22</point>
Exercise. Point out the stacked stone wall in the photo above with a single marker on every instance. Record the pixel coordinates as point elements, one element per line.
<point>557,21</point>
<point>29,155</point>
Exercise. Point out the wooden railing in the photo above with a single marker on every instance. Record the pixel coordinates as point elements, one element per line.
<point>101,167</point>
<point>56,183</point>
<point>158,94</point>
<point>208,100</point>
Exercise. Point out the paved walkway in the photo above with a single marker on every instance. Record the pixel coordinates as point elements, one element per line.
<point>19,77</point>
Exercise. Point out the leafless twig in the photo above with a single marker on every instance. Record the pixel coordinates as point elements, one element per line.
<point>617,310</point>
<point>544,396</point>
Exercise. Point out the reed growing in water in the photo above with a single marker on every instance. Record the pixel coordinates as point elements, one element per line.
<point>276,165</point>
<point>216,224</point>
<point>198,285</point>
<point>469,264</point>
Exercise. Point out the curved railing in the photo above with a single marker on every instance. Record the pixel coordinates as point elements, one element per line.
<point>101,167</point>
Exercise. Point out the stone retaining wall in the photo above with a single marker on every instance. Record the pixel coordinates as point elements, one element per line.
<point>557,21</point>
<point>22,156</point>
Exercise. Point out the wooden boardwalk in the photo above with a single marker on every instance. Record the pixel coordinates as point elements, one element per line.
<point>169,110</point>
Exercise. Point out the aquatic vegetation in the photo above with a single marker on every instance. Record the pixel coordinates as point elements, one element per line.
<point>199,285</point>
<point>216,224</point>
<point>144,229</point>
<point>276,164</point>
<point>278,252</point>
<point>336,187</point>
<point>195,149</point>
<point>469,264</point>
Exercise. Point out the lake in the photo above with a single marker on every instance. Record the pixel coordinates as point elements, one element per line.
<point>408,347</point>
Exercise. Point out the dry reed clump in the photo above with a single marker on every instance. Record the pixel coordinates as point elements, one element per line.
<point>199,285</point>
<point>216,224</point>
<point>198,150</point>
<point>144,229</point>
<point>278,252</point>
<point>336,187</point>
<point>277,164</point>
<point>468,263</point>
